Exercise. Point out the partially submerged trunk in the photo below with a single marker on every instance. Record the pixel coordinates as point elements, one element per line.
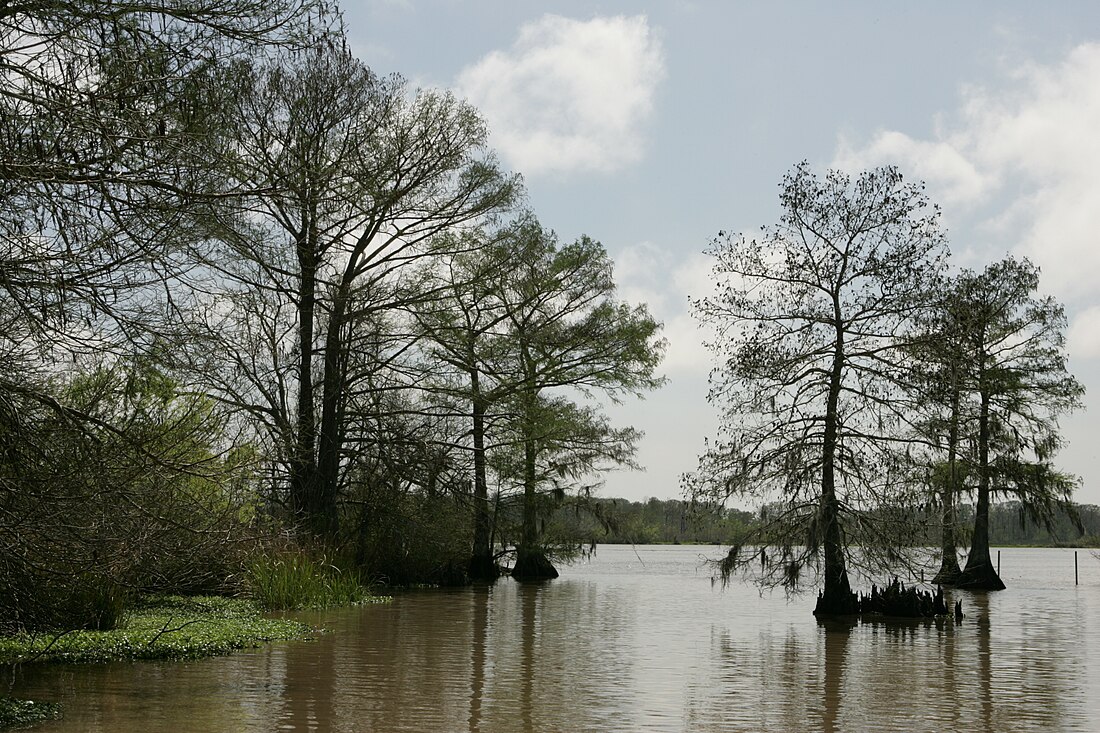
<point>531,561</point>
<point>979,573</point>
<point>949,571</point>
<point>481,565</point>
<point>837,598</point>
<point>533,565</point>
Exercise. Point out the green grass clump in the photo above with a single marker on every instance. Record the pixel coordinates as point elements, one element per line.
<point>295,581</point>
<point>21,713</point>
<point>167,627</point>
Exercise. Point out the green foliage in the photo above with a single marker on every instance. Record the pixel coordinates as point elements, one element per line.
<point>293,580</point>
<point>167,627</point>
<point>114,488</point>
<point>22,713</point>
<point>655,521</point>
<point>811,375</point>
<point>409,538</point>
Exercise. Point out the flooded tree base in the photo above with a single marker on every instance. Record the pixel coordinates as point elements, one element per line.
<point>482,569</point>
<point>893,601</point>
<point>897,601</point>
<point>533,566</point>
<point>982,577</point>
<point>843,603</point>
<point>837,599</point>
<point>949,573</point>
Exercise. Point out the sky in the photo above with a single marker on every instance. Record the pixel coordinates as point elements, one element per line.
<point>650,126</point>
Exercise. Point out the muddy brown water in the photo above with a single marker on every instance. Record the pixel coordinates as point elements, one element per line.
<point>637,639</point>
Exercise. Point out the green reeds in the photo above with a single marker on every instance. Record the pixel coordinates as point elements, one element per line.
<point>293,580</point>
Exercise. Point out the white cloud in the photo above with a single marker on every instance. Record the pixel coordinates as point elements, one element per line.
<point>569,95</point>
<point>1083,340</point>
<point>1029,154</point>
<point>939,163</point>
<point>647,274</point>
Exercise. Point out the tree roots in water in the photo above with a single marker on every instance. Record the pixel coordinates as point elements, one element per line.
<point>892,601</point>
<point>533,565</point>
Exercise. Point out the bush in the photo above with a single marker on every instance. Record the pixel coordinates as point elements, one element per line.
<point>414,539</point>
<point>38,600</point>
<point>120,485</point>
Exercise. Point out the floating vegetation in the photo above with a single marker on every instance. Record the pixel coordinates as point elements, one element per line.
<point>165,627</point>
<point>21,713</point>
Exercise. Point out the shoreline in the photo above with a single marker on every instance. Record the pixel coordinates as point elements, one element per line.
<point>159,628</point>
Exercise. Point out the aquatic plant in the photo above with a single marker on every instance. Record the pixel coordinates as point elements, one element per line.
<point>295,580</point>
<point>16,713</point>
<point>166,627</point>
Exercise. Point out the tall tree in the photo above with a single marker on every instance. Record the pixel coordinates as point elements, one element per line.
<point>939,353</point>
<point>568,336</point>
<point>527,327</point>
<point>104,109</point>
<point>1015,375</point>
<point>811,376</point>
<point>464,329</point>
<point>352,179</point>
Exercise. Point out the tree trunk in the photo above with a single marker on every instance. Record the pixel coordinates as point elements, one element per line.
<point>531,561</point>
<point>949,571</point>
<point>303,460</point>
<point>837,598</point>
<point>481,565</point>
<point>325,520</point>
<point>979,573</point>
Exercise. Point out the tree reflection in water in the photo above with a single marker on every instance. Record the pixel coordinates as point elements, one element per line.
<point>638,649</point>
<point>837,634</point>
<point>528,597</point>
<point>979,605</point>
<point>480,596</point>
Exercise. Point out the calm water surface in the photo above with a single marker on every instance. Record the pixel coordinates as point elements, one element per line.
<point>631,641</point>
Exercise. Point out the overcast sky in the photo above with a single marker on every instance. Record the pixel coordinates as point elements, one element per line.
<point>651,126</point>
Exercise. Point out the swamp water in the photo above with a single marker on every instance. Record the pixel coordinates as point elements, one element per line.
<point>632,640</point>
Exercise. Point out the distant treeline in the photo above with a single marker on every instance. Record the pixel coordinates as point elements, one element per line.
<point>656,521</point>
<point>1009,524</point>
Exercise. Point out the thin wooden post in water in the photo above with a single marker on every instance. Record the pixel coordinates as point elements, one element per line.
<point>1075,567</point>
<point>998,562</point>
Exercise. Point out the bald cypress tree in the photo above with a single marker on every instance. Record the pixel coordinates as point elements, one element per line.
<point>1017,384</point>
<point>812,374</point>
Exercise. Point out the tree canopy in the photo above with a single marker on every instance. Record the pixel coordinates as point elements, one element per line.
<point>1014,380</point>
<point>811,377</point>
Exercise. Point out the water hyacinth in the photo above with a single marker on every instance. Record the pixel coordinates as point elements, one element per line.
<point>168,627</point>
